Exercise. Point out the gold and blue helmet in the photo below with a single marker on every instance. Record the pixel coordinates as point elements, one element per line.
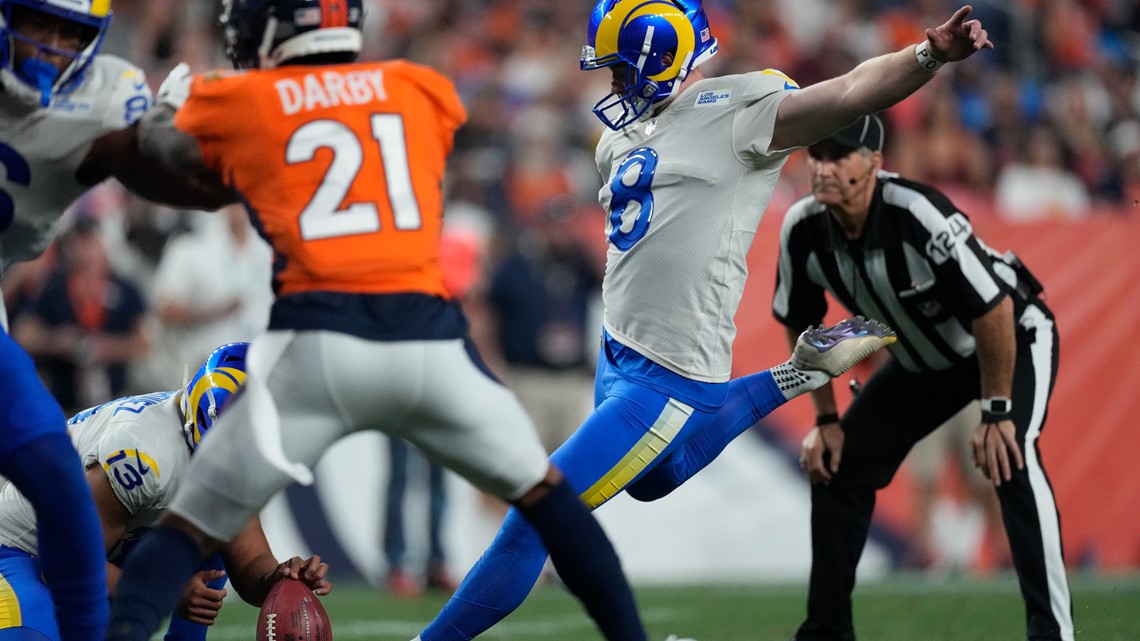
<point>638,34</point>
<point>33,78</point>
<point>214,385</point>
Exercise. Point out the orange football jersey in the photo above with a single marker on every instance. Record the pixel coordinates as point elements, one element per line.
<point>341,167</point>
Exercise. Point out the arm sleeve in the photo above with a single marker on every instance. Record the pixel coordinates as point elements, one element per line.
<point>797,301</point>
<point>129,99</point>
<point>755,120</point>
<point>139,475</point>
<point>962,267</point>
<point>442,92</point>
<point>206,115</point>
<point>48,473</point>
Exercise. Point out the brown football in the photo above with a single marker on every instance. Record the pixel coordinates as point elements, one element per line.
<point>292,612</point>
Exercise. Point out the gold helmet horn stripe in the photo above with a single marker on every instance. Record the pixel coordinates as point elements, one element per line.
<point>100,8</point>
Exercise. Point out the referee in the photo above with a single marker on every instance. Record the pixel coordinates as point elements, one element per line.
<point>970,324</point>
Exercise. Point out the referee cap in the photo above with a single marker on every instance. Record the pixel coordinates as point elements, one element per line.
<point>864,132</point>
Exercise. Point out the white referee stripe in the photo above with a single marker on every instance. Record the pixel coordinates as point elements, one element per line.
<point>876,266</point>
<point>1055,575</point>
<point>935,223</point>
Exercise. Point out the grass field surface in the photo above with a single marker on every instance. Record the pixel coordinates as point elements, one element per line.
<point>900,608</point>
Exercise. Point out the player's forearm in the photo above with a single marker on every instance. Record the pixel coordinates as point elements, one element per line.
<point>253,580</point>
<point>250,563</point>
<point>881,82</point>
<point>996,349</point>
<point>814,112</point>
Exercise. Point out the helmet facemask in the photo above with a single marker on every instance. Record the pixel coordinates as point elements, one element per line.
<point>35,80</point>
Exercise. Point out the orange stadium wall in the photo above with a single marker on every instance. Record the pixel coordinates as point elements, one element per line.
<point>1091,270</point>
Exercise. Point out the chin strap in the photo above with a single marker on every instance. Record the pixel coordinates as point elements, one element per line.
<point>41,75</point>
<point>184,404</point>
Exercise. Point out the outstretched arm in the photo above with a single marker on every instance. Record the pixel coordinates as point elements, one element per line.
<point>120,154</point>
<point>815,112</point>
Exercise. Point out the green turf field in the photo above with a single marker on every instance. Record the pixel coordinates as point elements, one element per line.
<point>904,608</point>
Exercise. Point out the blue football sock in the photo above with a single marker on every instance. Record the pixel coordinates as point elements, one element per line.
<point>750,398</point>
<point>586,562</point>
<point>497,584</point>
<point>48,472</point>
<point>153,577</point>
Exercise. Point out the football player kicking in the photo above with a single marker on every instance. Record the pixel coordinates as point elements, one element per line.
<point>136,451</point>
<point>688,165</point>
<point>66,123</point>
<point>340,164</point>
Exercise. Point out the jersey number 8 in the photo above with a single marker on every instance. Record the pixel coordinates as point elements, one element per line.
<point>631,185</point>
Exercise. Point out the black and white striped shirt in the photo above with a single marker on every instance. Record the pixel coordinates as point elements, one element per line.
<point>918,267</point>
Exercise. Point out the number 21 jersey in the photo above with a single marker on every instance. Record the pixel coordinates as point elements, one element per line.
<point>340,167</point>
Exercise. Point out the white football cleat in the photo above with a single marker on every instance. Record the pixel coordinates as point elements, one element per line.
<point>836,349</point>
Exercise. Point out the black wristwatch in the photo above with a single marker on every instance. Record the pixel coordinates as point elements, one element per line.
<point>996,409</point>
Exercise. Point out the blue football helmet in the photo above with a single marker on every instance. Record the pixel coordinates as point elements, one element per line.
<point>211,388</point>
<point>264,33</point>
<point>38,81</point>
<point>638,34</point>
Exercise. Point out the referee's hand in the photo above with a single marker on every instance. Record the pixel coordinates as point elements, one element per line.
<point>821,452</point>
<point>993,443</point>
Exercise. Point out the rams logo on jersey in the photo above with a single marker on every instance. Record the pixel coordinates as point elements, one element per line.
<point>789,84</point>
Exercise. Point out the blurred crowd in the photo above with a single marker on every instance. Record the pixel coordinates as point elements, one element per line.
<point>1047,125</point>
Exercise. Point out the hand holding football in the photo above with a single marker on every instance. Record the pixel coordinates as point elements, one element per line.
<point>292,612</point>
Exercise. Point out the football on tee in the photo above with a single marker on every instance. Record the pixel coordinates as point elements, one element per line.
<point>292,612</point>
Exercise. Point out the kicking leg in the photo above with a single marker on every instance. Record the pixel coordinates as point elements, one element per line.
<point>750,398</point>
<point>820,354</point>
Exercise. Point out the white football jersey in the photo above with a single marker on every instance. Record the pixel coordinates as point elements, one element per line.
<point>41,149</point>
<point>684,192</point>
<point>137,440</point>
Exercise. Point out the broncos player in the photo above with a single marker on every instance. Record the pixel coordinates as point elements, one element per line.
<point>66,123</point>
<point>340,164</point>
<point>688,164</point>
<point>136,451</point>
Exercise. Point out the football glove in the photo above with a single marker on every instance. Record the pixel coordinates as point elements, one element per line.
<point>175,89</point>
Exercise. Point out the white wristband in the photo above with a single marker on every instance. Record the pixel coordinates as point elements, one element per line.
<point>925,60</point>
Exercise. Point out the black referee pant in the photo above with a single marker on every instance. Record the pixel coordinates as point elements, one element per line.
<point>894,410</point>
